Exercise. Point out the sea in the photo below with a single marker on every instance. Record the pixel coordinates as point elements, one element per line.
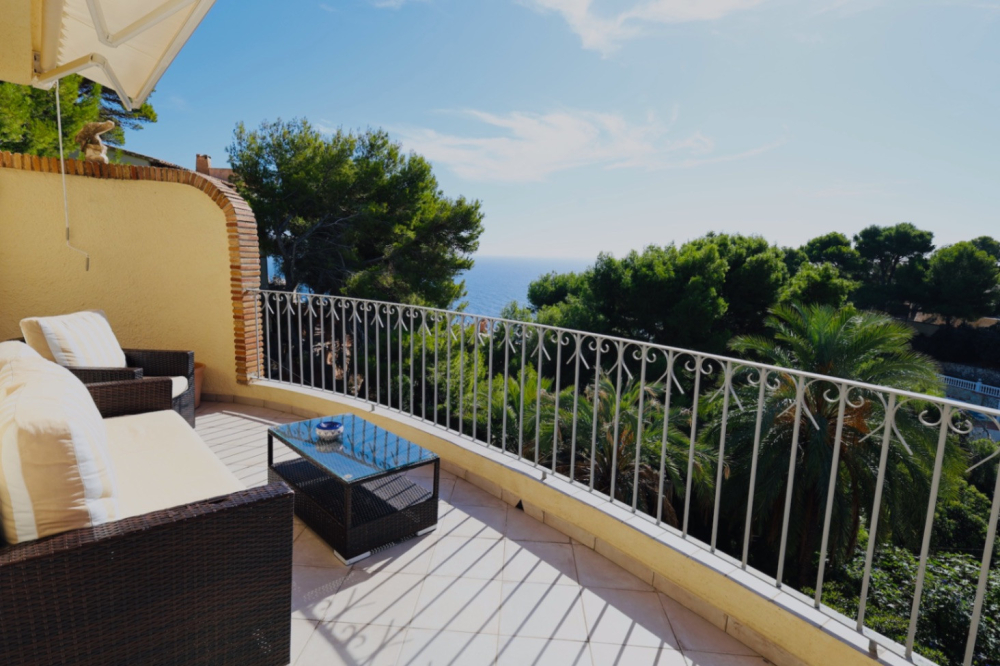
<point>493,282</point>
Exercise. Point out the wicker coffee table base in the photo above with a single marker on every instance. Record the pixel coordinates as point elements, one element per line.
<point>358,519</point>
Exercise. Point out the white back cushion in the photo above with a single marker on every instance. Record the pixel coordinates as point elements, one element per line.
<point>55,471</point>
<point>78,340</point>
<point>14,349</point>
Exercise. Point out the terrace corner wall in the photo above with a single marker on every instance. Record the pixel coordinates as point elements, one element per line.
<point>171,255</point>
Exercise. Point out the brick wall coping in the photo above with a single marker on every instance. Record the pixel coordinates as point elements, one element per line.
<point>241,230</point>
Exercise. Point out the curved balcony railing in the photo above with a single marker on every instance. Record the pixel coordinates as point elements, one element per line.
<point>704,444</point>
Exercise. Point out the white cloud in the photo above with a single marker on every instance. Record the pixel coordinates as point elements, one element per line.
<point>525,147</point>
<point>604,31</point>
<point>325,126</point>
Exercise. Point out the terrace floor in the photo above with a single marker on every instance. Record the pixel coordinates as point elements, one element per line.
<point>490,586</point>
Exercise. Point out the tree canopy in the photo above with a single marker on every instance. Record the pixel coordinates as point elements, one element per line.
<point>28,115</point>
<point>821,284</point>
<point>351,213</point>
<point>696,295</point>
<point>699,294</point>
<point>835,248</point>
<point>989,245</point>
<point>884,250</point>
<point>962,282</point>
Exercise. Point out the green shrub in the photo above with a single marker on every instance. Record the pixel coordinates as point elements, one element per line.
<point>945,609</point>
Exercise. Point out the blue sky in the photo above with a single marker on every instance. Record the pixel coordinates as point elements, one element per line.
<point>606,125</point>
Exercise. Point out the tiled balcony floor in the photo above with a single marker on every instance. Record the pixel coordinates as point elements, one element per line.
<point>490,586</point>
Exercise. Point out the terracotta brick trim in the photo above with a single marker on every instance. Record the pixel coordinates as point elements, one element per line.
<point>241,229</point>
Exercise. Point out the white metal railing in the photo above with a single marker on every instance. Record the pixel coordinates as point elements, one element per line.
<point>646,426</point>
<point>976,386</point>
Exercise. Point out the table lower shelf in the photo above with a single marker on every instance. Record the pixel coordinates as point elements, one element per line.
<point>381,512</point>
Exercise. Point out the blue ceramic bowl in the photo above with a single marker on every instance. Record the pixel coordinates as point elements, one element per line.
<point>330,430</point>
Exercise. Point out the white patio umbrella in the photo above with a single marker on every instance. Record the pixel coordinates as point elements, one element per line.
<point>126,45</point>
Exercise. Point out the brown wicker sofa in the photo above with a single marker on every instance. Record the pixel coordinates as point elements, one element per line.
<point>208,582</point>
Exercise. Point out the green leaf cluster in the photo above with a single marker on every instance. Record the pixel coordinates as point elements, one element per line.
<point>862,346</point>
<point>352,214</point>
<point>695,295</point>
<point>699,294</point>
<point>946,603</point>
<point>28,116</point>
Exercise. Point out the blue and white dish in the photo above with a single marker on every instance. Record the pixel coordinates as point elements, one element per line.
<point>330,430</point>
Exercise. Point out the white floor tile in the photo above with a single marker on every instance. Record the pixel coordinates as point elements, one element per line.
<point>538,562</point>
<point>427,647</point>
<point>412,556</point>
<point>627,617</point>
<point>697,634</point>
<point>467,558</point>
<point>595,570</point>
<point>490,585</point>
<point>347,644</point>
<point>458,604</point>
<point>631,655</point>
<point>301,631</point>
<point>481,522</point>
<point>525,651</point>
<point>522,527</point>
<point>542,611</point>
<point>313,589</point>
<point>466,494</point>
<point>311,551</point>
<point>382,598</point>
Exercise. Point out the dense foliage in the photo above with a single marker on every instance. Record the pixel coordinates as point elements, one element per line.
<point>353,214</point>
<point>961,283</point>
<point>699,294</point>
<point>28,115</point>
<point>946,604</point>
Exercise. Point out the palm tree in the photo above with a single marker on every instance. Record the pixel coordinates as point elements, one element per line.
<point>508,418</point>
<point>866,347</point>
<point>606,460</point>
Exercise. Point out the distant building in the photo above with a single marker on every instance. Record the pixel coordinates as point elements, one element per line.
<point>203,164</point>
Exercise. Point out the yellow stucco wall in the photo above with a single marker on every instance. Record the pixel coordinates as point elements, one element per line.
<point>160,263</point>
<point>15,40</point>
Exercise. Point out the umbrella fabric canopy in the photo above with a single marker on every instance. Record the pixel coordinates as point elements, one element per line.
<point>122,44</point>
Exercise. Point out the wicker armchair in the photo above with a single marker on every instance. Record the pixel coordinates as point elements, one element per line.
<point>205,583</point>
<point>146,363</point>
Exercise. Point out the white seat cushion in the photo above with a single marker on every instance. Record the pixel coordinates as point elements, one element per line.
<point>78,340</point>
<point>55,471</point>
<point>180,384</point>
<point>161,462</point>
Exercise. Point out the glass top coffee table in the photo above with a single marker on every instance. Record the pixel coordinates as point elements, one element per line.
<point>354,492</point>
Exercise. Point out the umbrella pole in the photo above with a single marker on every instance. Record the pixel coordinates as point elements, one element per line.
<point>62,170</point>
